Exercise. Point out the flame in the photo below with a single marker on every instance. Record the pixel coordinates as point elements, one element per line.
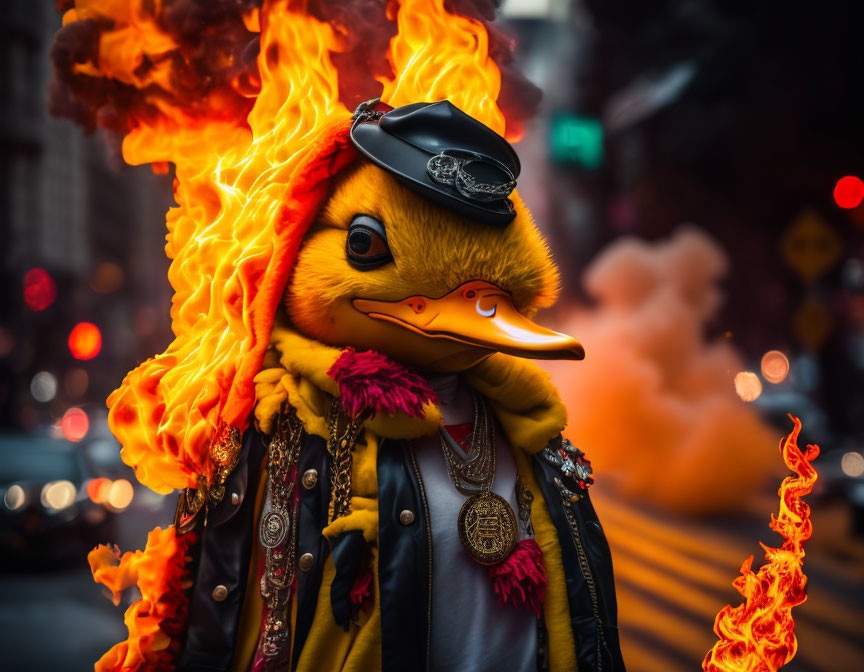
<point>230,181</point>
<point>759,634</point>
<point>138,52</point>
<point>159,573</point>
<point>135,37</point>
<point>438,55</point>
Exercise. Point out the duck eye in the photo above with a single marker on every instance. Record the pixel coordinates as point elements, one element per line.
<point>366,245</point>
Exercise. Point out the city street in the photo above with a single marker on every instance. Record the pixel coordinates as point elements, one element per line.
<point>672,577</point>
<point>61,619</point>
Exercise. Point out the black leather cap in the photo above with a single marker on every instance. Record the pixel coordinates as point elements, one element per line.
<point>444,155</point>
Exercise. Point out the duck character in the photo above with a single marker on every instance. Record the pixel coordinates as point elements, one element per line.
<point>404,499</point>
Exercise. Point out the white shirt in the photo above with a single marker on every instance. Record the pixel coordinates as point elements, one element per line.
<point>469,630</point>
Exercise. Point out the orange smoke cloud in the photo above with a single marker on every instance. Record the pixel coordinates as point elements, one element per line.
<point>654,404</point>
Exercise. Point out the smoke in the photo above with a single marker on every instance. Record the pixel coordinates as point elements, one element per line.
<point>210,68</point>
<point>653,404</point>
<point>366,31</point>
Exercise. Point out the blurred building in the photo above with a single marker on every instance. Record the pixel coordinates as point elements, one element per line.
<point>738,118</point>
<point>68,205</point>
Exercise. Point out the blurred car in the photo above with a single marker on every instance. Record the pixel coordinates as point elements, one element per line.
<point>47,516</point>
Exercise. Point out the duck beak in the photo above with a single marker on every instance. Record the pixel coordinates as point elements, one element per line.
<point>476,313</point>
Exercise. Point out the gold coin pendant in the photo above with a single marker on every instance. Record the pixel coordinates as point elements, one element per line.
<point>487,528</point>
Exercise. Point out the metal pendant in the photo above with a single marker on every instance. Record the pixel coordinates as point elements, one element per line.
<point>274,528</point>
<point>487,528</point>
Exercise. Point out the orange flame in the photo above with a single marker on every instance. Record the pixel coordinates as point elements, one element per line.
<point>231,178</point>
<point>158,572</point>
<point>135,36</point>
<point>759,634</point>
<point>438,55</point>
<point>137,51</point>
<point>229,187</point>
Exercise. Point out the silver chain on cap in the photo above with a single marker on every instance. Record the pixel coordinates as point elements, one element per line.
<point>449,169</point>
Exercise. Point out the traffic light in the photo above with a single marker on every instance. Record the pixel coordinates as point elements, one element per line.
<point>576,140</point>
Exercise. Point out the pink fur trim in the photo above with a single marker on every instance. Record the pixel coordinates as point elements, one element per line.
<point>520,580</point>
<point>372,383</point>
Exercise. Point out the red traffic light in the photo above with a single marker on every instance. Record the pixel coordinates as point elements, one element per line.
<point>40,290</point>
<point>849,192</point>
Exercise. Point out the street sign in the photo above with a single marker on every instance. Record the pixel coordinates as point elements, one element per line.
<point>810,246</point>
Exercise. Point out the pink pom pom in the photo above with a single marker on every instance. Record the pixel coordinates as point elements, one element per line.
<point>372,383</point>
<point>520,580</point>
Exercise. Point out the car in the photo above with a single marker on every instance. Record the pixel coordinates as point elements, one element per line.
<point>47,516</point>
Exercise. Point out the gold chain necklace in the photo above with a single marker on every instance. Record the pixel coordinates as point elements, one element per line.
<point>343,435</point>
<point>477,472</point>
<point>486,522</point>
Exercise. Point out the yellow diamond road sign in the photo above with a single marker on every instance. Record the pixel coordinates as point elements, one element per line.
<point>810,246</point>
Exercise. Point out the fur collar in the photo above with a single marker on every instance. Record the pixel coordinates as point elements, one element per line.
<point>296,368</point>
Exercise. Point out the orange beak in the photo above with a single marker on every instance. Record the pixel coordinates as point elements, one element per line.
<point>476,313</point>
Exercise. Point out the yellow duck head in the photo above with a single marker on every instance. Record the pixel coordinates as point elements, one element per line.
<point>385,269</point>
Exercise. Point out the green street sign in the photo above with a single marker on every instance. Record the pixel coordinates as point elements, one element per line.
<point>574,139</point>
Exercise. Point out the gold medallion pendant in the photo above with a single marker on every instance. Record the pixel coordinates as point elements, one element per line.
<point>487,527</point>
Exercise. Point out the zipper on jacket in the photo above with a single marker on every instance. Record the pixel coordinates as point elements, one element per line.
<point>586,571</point>
<point>428,521</point>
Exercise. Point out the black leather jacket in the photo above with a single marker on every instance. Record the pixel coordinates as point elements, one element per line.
<point>404,568</point>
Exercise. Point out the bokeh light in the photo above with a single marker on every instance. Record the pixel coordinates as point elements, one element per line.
<point>107,278</point>
<point>775,366</point>
<point>75,383</point>
<point>40,290</point>
<point>748,386</point>
<point>15,497</point>
<point>849,192</point>
<point>98,489</point>
<point>120,494</point>
<point>58,495</point>
<point>85,341</point>
<point>75,424</point>
<point>7,342</point>
<point>43,386</point>
<point>852,464</point>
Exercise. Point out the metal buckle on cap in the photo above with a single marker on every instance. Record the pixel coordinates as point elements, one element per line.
<point>364,112</point>
<point>448,168</point>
